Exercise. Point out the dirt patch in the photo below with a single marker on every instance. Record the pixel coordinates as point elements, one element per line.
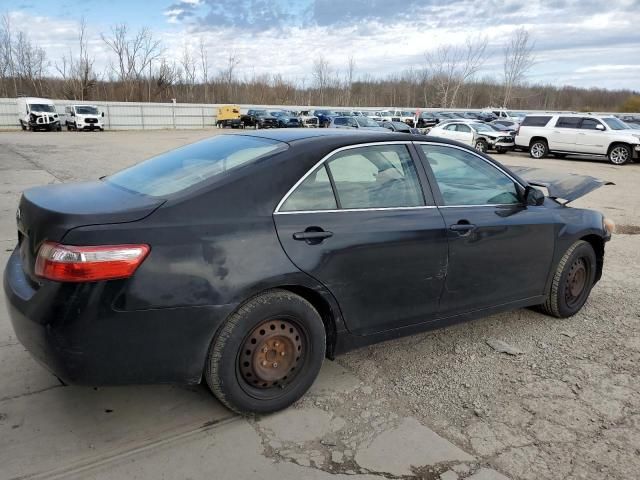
<point>628,229</point>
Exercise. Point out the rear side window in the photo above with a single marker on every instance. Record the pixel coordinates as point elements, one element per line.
<point>568,122</point>
<point>537,121</point>
<point>185,167</point>
<point>314,193</point>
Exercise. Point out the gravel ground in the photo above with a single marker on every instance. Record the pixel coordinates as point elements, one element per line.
<point>565,405</point>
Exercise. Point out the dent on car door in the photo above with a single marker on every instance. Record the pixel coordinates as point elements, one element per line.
<point>362,225</point>
<point>500,251</point>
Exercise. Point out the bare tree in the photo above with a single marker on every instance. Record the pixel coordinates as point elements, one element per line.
<point>77,72</point>
<point>188,62</point>
<point>204,65</point>
<point>6,50</point>
<point>518,60</point>
<point>453,65</point>
<point>321,73</point>
<point>133,54</point>
<point>351,68</point>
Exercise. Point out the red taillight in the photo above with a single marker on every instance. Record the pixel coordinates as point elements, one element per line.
<point>69,263</point>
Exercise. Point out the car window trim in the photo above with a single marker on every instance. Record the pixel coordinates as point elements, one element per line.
<point>432,178</point>
<point>414,158</point>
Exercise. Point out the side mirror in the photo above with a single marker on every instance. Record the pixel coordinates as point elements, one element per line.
<point>600,127</point>
<point>533,196</point>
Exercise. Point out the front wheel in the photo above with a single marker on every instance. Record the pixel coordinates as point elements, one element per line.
<point>572,281</point>
<point>620,154</point>
<point>23,126</point>
<point>538,149</point>
<point>481,146</point>
<point>501,150</point>
<point>267,354</point>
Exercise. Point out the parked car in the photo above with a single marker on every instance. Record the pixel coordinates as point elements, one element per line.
<point>400,127</point>
<point>83,117</point>
<point>229,116</point>
<point>37,114</point>
<point>364,123</point>
<point>578,134</point>
<point>259,119</point>
<point>504,114</point>
<point>286,119</point>
<point>376,116</point>
<point>169,272</point>
<point>478,135</point>
<point>632,120</point>
<point>307,119</point>
<point>325,117</point>
<point>427,120</point>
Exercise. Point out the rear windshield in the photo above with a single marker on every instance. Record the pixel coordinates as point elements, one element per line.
<point>185,167</point>
<point>537,121</point>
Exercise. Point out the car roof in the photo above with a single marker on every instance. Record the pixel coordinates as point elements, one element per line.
<point>346,136</point>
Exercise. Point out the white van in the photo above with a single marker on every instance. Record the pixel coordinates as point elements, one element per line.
<point>37,113</point>
<point>84,117</point>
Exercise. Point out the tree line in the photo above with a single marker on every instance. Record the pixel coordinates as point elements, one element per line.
<point>140,70</point>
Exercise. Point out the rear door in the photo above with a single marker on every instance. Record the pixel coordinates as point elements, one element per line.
<point>361,224</point>
<point>500,251</point>
<point>563,134</point>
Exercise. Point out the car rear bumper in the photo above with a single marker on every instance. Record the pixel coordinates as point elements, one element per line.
<point>77,334</point>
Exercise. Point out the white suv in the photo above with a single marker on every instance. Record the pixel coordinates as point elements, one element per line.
<point>573,134</point>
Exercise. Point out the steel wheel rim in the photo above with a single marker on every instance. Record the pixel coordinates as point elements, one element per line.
<point>271,354</point>
<point>619,155</point>
<point>537,150</point>
<point>480,146</point>
<point>576,282</point>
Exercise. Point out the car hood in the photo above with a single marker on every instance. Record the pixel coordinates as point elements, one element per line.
<point>565,186</point>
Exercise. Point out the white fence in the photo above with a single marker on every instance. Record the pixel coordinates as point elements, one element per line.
<point>150,116</point>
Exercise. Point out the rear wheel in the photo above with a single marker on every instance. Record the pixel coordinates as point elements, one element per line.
<point>538,149</point>
<point>267,354</point>
<point>572,281</point>
<point>620,154</point>
<point>22,125</point>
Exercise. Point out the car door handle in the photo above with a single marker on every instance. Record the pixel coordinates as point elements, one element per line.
<point>462,228</point>
<point>312,235</point>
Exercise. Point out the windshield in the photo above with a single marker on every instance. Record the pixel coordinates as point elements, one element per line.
<point>41,107</point>
<point>366,122</point>
<point>407,114</point>
<point>87,110</point>
<point>180,169</point>
<point>615,124</point>
<point>277,114</point>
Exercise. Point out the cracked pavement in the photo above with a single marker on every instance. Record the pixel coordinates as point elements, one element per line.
<point>439,405</point>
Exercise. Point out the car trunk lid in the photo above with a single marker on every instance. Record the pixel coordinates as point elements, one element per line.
<point>49,212</point>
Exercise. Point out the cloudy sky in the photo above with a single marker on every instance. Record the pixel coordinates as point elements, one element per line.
<point>589,43</point>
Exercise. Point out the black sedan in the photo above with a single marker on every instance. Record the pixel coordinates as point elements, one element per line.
<point>245,260</point>
<point>399,127</point>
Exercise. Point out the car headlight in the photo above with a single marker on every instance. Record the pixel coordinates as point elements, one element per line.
<point>609,225</point>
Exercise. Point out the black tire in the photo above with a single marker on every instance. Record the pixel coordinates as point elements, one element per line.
<point>501,150</point>
<point>538,149</point>
<point>23,126</point>
<point>231,370</point>
<point>619,154</point>
<point>565,297</point>
<point>481,145</point>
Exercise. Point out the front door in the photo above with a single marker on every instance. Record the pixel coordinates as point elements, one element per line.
<point>500,251</point>
<point>589,139</point>
<point>362,225</point>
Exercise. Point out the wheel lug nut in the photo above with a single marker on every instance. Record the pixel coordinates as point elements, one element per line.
<point>264,363</point>
<point>275,364</point>
<point>282,354</point>
<point>277,344</point>
<point>265,349</point>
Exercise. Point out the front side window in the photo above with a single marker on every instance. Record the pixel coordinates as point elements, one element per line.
<point>185,167</point>
<point>465,179</point>
<point>568,122</point>
<point>589,124</point>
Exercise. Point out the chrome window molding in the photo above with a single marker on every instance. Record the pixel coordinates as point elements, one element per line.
<point>417,207</point>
